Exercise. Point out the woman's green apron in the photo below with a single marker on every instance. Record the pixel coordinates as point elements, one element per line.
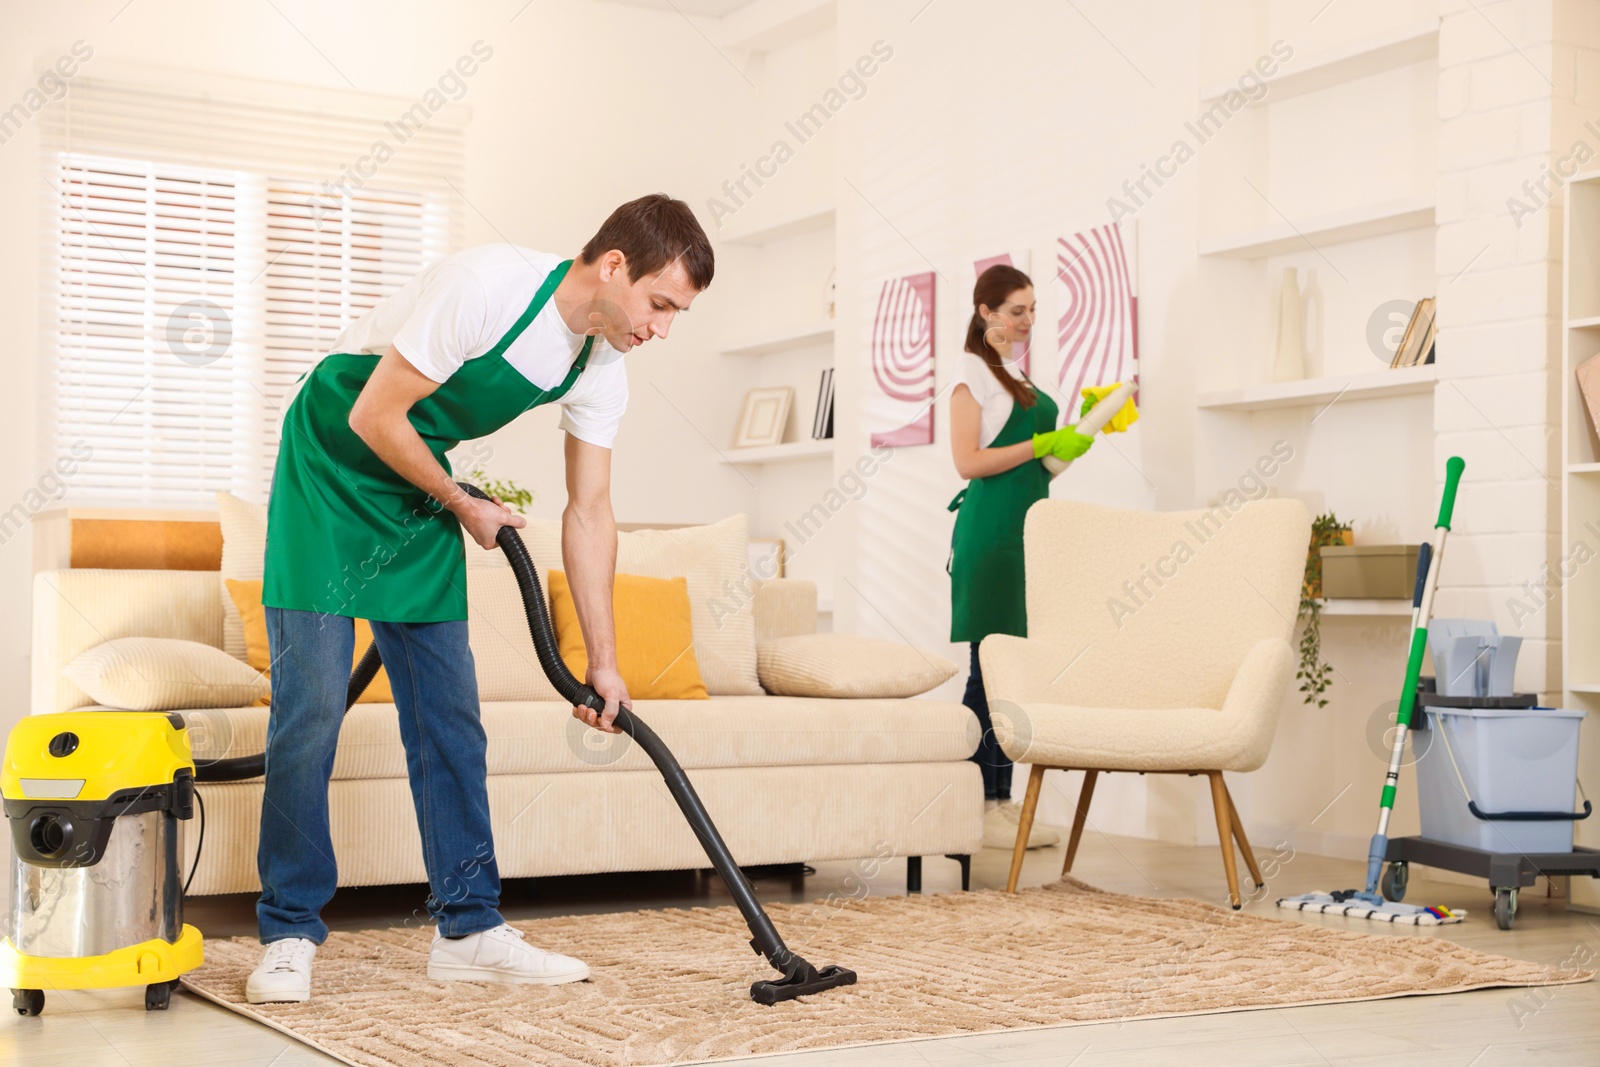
<point>346,534</point>
<point>985,566</point>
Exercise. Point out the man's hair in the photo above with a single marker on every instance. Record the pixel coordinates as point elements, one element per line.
<point>651,232</point>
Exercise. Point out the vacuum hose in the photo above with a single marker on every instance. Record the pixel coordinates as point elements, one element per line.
<point>799,977</point>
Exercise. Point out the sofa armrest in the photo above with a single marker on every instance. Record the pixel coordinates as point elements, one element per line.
<point>75,610</point>
<point>1256,695</point>
<point>785,607</point>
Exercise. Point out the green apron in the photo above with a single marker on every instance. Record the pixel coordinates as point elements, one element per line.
<point>346,534</point>
<point>985,565</point>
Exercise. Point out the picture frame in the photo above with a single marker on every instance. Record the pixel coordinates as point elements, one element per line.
<point>767,557</point>
<point>764,416</point>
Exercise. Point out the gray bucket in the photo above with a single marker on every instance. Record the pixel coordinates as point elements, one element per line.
<point>1512,760</point>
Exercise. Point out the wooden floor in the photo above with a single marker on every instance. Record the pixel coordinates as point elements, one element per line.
<point>1550,1027</point>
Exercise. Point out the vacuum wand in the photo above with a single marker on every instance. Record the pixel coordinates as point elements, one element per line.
<point>799,976</point>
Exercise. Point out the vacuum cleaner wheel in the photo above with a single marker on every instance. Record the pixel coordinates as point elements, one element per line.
<point>158,995</point>
<point>27,1001</point>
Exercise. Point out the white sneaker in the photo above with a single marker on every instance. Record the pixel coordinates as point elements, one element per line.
<point>284,976</point>
<point>998,831</point>
<point>500,955</point>
<point>1039,835</point>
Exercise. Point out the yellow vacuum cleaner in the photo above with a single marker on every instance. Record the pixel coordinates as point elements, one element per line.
<point>96,803</point>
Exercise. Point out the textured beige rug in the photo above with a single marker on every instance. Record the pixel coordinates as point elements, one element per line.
<point>671,986</point>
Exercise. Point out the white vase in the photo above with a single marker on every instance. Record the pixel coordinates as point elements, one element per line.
<point>1289,355</point>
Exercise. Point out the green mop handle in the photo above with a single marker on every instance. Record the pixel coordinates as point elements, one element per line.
<point>1422,611</point>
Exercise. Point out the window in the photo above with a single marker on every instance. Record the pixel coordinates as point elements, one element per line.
<point>203,255</point>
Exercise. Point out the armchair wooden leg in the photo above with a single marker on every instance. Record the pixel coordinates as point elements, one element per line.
<point>1244,844</point>
<point>1030,801</point>
<point>1224,808</point>
<point>1084,796</point>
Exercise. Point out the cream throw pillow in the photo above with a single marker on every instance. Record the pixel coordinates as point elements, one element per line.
<point>497,631</point>
<point>244,554</point>
<point>164,674</point>
<point>848,665</point>
<point>714,560</point>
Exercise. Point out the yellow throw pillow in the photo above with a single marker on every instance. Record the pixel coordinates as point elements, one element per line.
<point>247,597</point>
<point>655,636</point>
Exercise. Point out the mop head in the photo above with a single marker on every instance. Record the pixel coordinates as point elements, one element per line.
<point>1362,906</point>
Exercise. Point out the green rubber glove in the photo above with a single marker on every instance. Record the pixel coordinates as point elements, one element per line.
<point>1070,444</point>
<point>1044,443</point>
<point>1088,402</point>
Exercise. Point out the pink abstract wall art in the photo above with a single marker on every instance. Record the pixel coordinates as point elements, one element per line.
<point>902,362</point>
<point>1097,334</point>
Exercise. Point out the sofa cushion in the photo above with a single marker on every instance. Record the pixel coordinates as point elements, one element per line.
<point>503,658</point>
<point>715,561</point>
<point>163,674</point>
<point>655,639</point>
<point>848,665</point>
<point>244,559</point>
<point>538,737</point>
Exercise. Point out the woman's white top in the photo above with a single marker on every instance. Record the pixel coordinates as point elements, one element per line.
<point>993,400</point>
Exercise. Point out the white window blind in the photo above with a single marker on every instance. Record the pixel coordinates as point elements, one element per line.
<point>206,250</point>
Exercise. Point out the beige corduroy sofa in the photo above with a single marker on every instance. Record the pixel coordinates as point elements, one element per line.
<point>786,779</point>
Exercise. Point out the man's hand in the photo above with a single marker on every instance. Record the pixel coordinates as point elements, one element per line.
<point>609,685</point>
<point>483,518</point>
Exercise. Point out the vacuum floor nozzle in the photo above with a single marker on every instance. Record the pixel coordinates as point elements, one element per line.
<point>806,979</point>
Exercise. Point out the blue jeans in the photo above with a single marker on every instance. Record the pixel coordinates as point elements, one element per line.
<point>436,691</point>
<point>991,760</point>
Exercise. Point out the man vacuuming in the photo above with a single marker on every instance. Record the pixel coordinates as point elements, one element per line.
<point>364,520</point>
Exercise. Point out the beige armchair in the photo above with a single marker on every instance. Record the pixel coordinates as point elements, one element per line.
<point>1158,642</point>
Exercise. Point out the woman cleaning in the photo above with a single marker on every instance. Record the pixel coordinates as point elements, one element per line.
<point>1001,427</point>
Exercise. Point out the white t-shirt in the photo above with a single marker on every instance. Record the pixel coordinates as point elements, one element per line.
<point>993,400</point>
<point>460,308</point>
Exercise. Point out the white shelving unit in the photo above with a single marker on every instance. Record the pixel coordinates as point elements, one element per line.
<point>1273,195</point>
<point>820,218</point>
<point>1383,52</point>
<point>820,333</point>
<point>1355,607</point>
<point>776,252</point>
<point>784,453</point>
<point>1580,495</point>
<point>1315,391</point>
<point>1336,227</point>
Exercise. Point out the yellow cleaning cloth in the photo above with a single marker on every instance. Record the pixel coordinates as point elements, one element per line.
<point>1122,419</point>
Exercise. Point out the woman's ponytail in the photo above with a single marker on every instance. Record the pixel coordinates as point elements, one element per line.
<point>994,285</point>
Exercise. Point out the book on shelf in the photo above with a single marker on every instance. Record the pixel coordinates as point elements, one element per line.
<point>1416,344</point>
<point>1589,385</point>
<point>822,419</point>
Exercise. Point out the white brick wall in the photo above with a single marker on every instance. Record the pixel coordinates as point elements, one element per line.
<point>1518,80</point>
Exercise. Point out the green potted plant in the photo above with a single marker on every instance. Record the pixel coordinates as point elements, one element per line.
<point>510,493</point>
<point>1315,674</point>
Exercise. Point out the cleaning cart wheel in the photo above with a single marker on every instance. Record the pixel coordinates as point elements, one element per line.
<point>1505,907</point>
<point>158,995</point>
<point>27,1001</point>
<point>1395,877</point>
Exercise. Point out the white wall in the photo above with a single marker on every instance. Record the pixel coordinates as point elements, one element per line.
<point>1004,129</point>
<point>583,105</point>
